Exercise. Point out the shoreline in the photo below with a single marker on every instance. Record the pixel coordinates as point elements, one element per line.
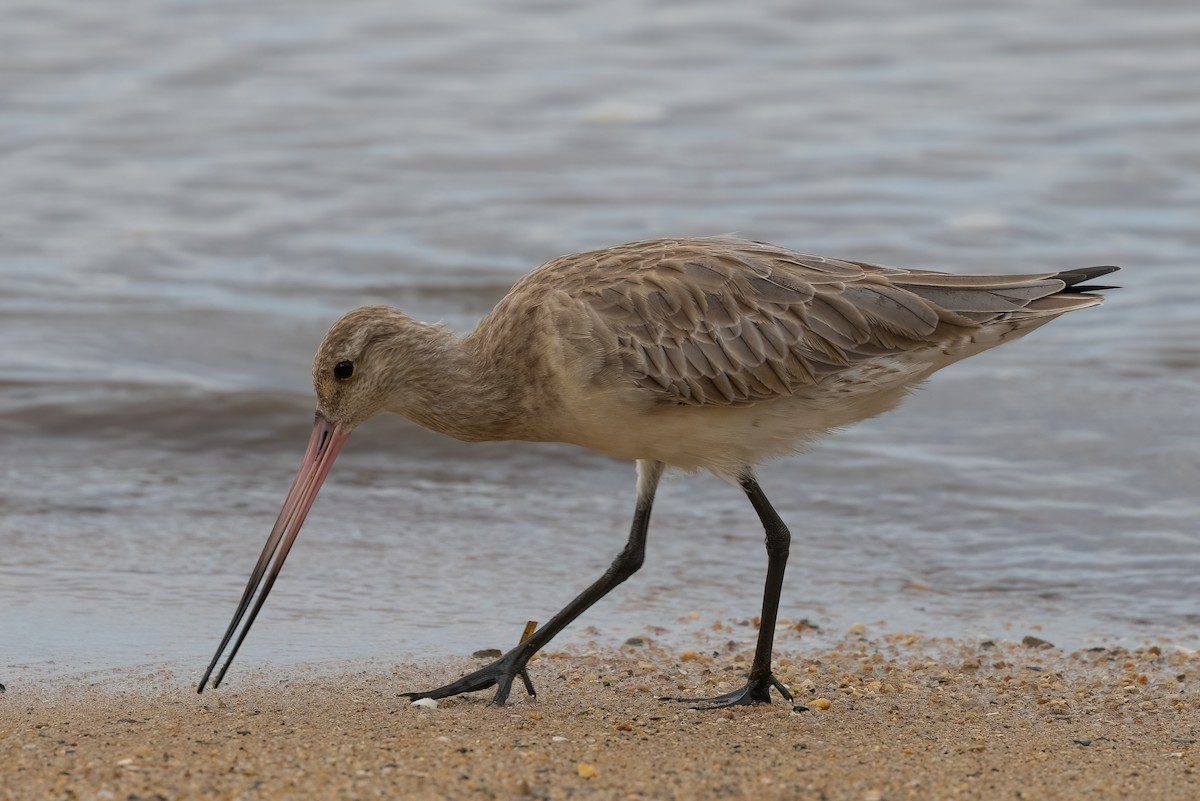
<point>875,717</point>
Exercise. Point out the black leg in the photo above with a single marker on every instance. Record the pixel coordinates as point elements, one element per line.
<point>506,668</point>
<point>761,680</point>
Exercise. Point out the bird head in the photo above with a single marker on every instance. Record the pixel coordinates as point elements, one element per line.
<point>355,372</point>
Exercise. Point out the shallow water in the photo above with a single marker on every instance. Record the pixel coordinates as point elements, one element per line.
<point>190,193</point>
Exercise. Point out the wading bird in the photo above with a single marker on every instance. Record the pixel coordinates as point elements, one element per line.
<point>714,353</point>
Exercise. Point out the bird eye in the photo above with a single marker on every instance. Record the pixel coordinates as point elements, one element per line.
<point>343,370</point>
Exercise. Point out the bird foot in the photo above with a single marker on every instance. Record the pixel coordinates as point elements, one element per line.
<point>500,673</point>
<point>755,691</point>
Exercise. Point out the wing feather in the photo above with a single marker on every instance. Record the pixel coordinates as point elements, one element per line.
<point>727,321</point>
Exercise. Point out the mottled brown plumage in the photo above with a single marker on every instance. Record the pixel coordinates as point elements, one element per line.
<point>710,353</point>
<point>715,353</point>
<point>724,321</point>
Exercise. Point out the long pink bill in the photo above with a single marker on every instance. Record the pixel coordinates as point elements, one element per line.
<point>323,447</point>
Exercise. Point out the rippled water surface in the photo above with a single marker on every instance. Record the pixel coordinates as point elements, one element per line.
<point>191,192</point>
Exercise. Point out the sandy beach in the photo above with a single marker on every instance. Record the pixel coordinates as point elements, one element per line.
<point>192,193</point>
<point>875,717</point>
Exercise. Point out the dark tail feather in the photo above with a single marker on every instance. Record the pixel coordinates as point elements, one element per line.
<point>1073,279</point>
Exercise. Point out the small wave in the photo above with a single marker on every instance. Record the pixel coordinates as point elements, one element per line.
<point>183,419</point>
<point>175,415</point>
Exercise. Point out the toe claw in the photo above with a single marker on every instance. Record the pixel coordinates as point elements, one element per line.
<point>499,673</point>
<point>750,693</point>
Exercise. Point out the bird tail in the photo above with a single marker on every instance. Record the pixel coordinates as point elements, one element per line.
<point>1075,295</point>
<point>1020,299</point>
<point>1074,278</point>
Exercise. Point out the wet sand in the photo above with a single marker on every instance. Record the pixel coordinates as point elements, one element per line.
<point>875,717</point>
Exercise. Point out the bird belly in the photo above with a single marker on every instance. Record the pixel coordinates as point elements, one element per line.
<point>729,439</point>
<point>725,440</point>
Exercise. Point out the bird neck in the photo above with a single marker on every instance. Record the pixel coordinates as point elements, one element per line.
<point>448,386</point>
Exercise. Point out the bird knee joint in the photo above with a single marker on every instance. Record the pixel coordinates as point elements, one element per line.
<point>778,541</point>
<point>626,564</point>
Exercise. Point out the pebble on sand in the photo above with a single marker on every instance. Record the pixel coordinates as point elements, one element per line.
<point>1029,641</point>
